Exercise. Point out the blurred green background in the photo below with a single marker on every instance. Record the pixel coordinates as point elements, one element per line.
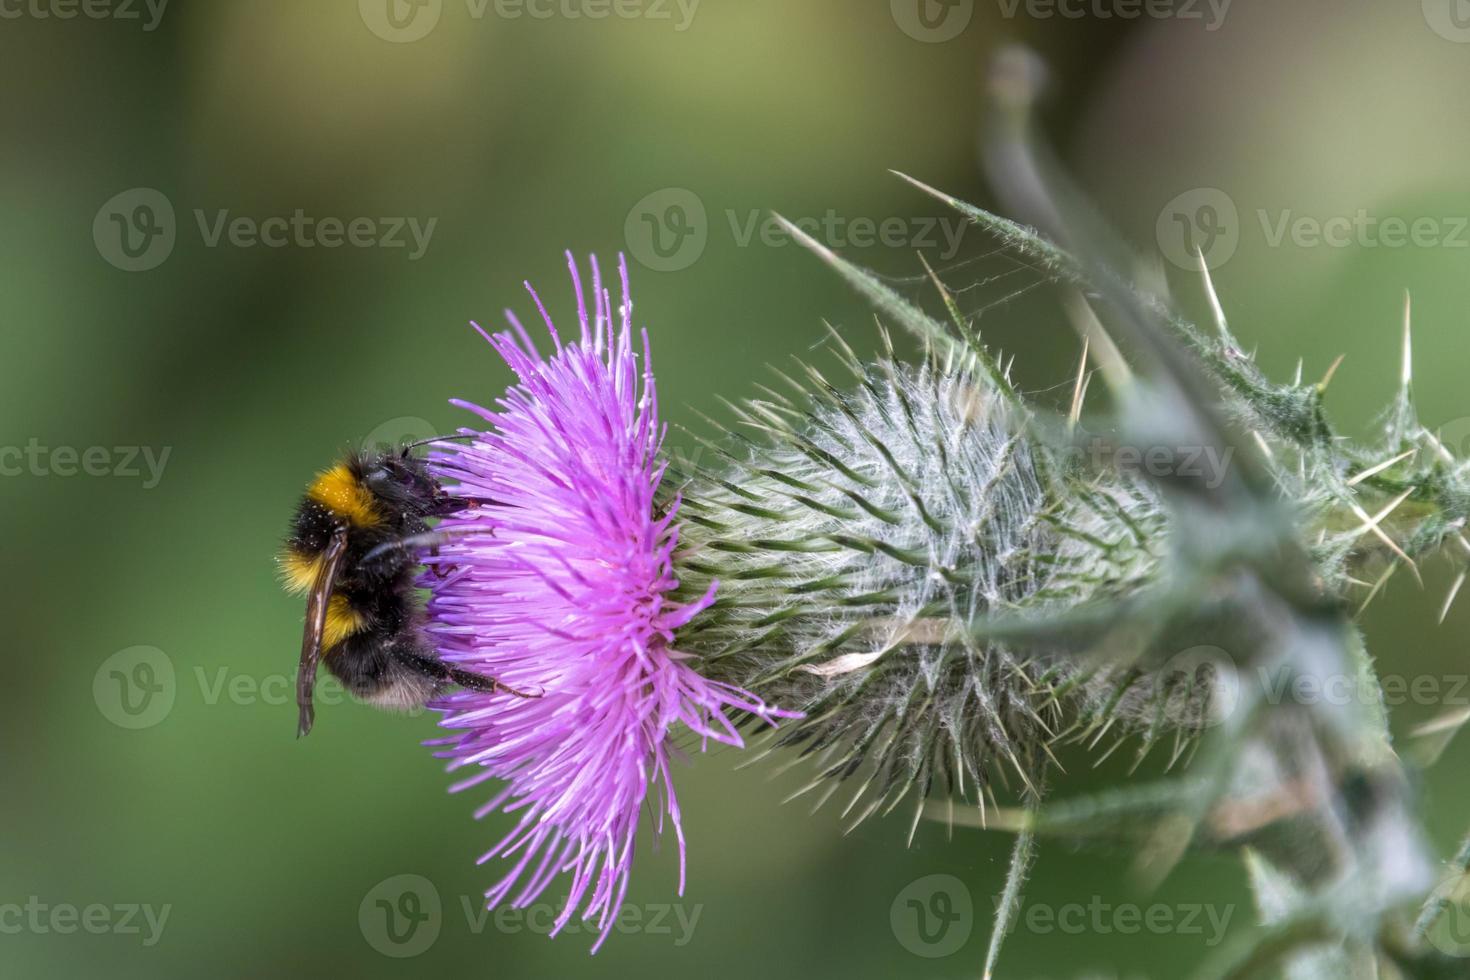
<point>148,744</point>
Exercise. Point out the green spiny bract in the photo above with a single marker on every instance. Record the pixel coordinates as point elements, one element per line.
<point>860,537</point>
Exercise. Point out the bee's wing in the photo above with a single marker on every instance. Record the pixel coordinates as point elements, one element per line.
<point>316,622</point>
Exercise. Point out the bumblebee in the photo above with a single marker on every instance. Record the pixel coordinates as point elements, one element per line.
<point>352,551</point>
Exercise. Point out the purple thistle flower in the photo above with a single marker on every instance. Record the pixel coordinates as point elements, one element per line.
<point>557,582</point>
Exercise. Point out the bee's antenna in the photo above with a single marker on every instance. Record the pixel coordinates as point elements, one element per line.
<point>432,439</point>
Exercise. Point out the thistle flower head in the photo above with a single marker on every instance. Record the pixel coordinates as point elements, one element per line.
<point>555,581</point>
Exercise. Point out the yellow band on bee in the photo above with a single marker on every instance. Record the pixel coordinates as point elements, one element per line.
<point>341,493</point>
<point>299,571</point>
<point>342,622</point>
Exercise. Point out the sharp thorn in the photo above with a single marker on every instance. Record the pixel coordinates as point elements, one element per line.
<point>1216,309</point>
<point>1372,524</point>
<point>1327,378</point>
<point>1408,368</point>
<point>1374,470</point>
<point>1079,390</point>
<point>1110,360</point>
<point>1449,600</point>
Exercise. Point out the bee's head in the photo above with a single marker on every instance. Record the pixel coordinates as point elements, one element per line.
<point>403,480</point>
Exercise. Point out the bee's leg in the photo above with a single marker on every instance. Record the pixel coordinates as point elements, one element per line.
<point>487,685</point>
<point>461,504</point>
<point>438,670</point>
<point>390,556</point>
<point>437,571</point>
<point>449,505</point>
